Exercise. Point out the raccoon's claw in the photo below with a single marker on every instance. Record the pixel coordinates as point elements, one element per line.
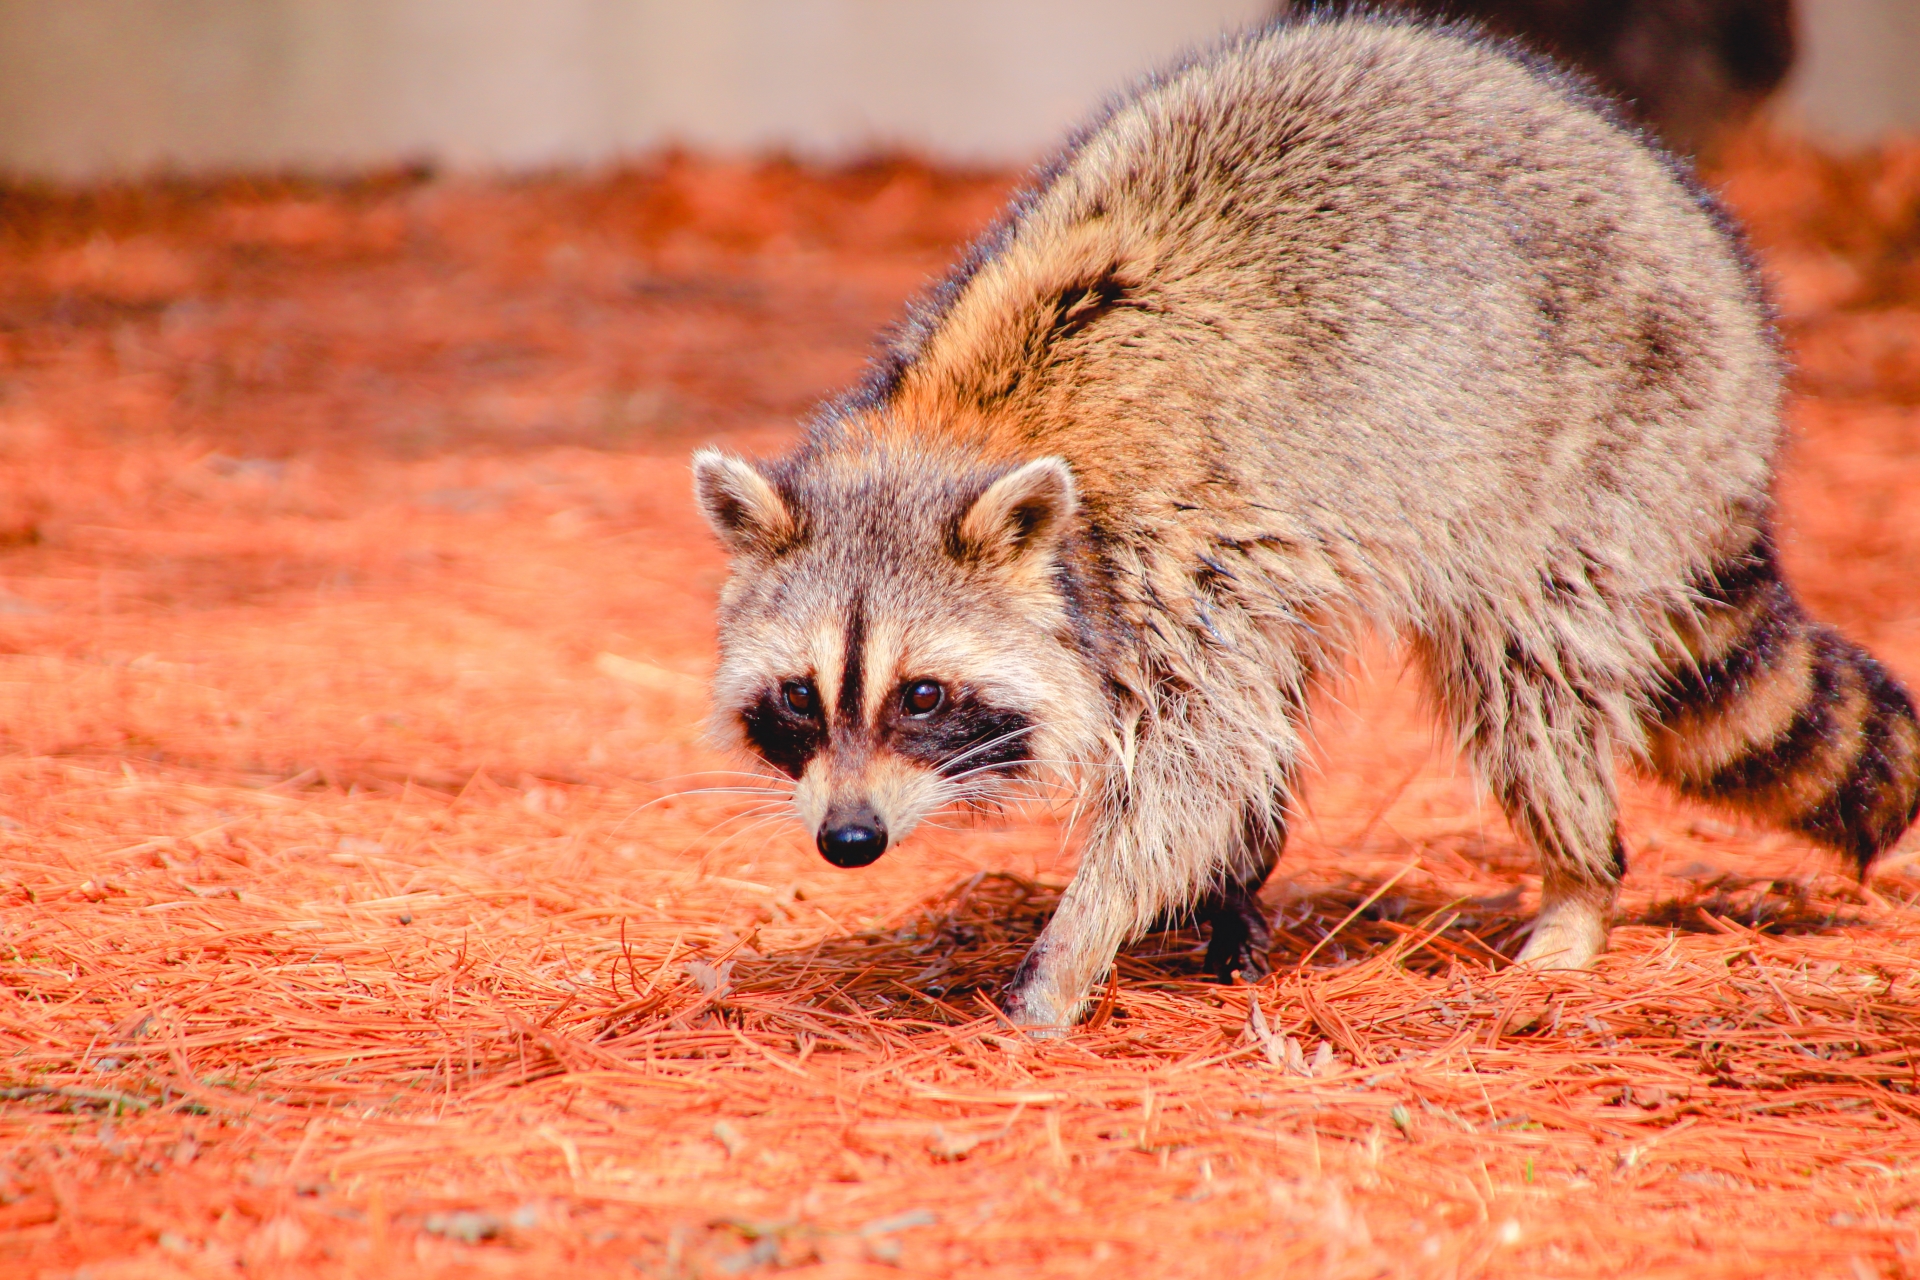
<point>1239,937</point>
<point>1568,934</point>
<point>1034,1014</point>
<point>1038,1026</point>
<point>1026,1002</point>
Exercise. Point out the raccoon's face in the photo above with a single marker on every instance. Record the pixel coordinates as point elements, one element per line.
<point>893,638</point>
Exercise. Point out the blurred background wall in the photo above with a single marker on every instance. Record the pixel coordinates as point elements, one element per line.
<point>93,86</point>
<point>105,87</point>
<point>1859,73</point>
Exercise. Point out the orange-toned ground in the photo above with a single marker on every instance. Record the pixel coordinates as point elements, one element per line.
<point>353,616</point>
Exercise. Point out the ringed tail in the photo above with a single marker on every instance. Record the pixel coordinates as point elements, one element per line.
<point>1782,717</point>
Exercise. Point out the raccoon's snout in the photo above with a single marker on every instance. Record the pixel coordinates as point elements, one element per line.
<point>852,837</point>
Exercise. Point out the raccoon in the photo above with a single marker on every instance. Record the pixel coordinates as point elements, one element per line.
<point>1355,324</point>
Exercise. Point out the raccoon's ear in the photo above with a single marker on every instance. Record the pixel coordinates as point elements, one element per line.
<point>1022,514</point>
<point>745,510</point>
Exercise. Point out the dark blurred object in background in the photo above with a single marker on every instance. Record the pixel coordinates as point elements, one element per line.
<point>1687,69</point>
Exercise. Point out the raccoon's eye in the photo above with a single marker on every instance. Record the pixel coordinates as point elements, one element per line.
<point>798,695</point>
<point>922,698</point>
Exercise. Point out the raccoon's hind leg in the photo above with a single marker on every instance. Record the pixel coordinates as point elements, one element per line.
<point>1539,738</point>
<point>1238,932</point>
<point>1774,714</point>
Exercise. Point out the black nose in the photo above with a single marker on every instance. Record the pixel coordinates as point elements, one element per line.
<point>852,840</point>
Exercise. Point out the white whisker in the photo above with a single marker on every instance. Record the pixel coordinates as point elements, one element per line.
<point>988,745</point>
<point>744,831</point>
<point>774,789</point>
<point>766,813</point>
<point>708,850</point>
<point>715,773</point>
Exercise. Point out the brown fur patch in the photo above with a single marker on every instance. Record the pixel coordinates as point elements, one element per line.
<point>1721,631</point>
<point>1699,740</point>
<point>1805,773</point>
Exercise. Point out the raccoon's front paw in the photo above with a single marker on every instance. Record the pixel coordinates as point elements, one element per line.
<point>1031,1003</point>
<point>1037,1016</point>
